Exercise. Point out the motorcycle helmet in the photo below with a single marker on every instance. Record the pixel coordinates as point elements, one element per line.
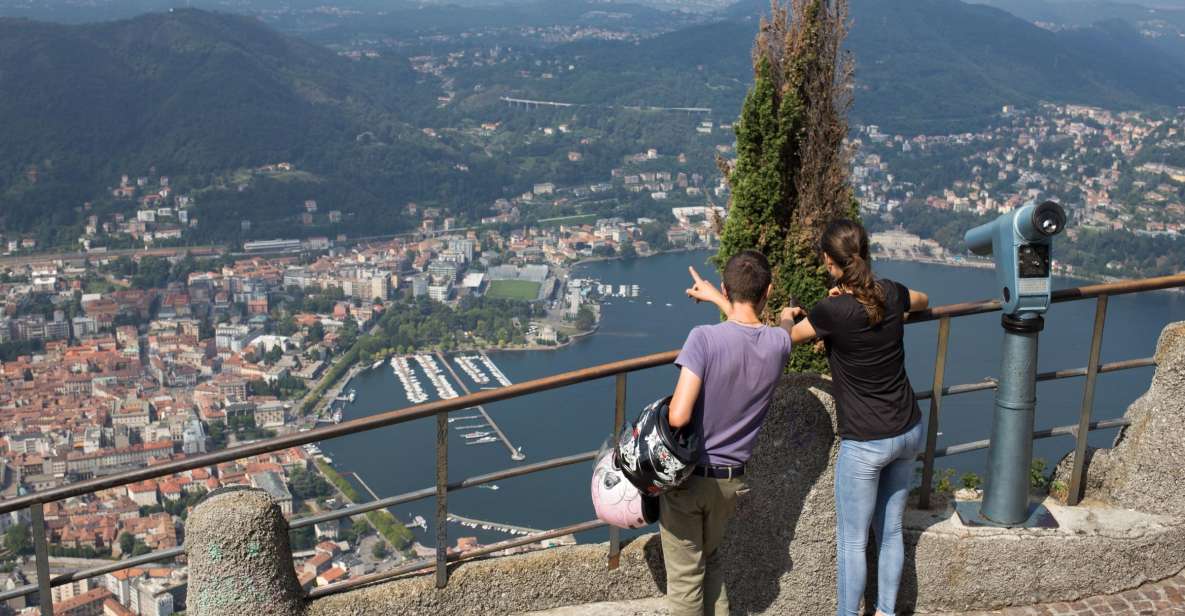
<point>654,457</point>
<point>616,500</point>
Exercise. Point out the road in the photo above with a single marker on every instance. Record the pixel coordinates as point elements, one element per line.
<point>79,257</point>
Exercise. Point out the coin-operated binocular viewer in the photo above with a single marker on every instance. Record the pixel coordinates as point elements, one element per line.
<point>1021,243</point>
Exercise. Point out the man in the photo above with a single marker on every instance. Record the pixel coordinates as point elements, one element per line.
<point>728,372</point>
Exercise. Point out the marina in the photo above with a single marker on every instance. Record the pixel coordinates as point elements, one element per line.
<point>516,453</point>
<point>411,382</point>
<point>493,370</point>
<point>468,364</point>
<point>444,389</point>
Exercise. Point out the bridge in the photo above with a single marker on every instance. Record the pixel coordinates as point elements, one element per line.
<point>526,103</point>
<point>1122,520</point>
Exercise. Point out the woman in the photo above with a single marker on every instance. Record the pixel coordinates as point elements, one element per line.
<point>861,322</point>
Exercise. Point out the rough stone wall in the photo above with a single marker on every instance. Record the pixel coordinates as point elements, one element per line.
<point>240,562</point>
<point>521,583</point>
<point>780,550</point>
<point>1145,470</point>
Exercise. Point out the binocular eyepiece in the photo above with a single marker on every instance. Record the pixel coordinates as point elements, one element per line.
<point>1047,220</point>
<point>1030,223</point>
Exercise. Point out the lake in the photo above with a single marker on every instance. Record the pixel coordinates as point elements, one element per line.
<point>579,418</point>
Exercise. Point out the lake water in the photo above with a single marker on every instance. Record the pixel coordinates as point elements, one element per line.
<point>575,419</point>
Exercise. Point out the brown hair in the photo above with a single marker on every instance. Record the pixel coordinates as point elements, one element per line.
<point>746,277</point>
<point>846,242</point>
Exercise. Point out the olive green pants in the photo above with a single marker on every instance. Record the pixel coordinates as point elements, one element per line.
<point>692,523</point>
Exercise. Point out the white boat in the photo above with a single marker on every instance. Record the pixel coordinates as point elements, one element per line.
<point>475,435</point>
<point>481,441</point>
<point>452,419</point>
<point>489,486</point>
<point>473,427</point>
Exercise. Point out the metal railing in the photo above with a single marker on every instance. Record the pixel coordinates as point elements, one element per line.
<point>442,487</point>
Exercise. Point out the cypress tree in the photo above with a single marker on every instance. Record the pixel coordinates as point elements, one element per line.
<point>790,178</point>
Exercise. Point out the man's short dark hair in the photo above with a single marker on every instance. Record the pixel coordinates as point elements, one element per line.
<point>747,276</point>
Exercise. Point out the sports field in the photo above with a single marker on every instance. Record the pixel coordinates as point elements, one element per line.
<point>514,289</point>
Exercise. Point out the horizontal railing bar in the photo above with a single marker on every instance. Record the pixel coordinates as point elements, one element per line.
<point>406,497</point>
<point>423,493</point>
<point>429,565</point>
<point>83,574</point>
<point>1116,366</point>
<point>354,426</point>
<point>1061,295</point>
<point>1104,424</point>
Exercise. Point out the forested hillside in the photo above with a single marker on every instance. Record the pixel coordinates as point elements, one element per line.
<point>191,94</point>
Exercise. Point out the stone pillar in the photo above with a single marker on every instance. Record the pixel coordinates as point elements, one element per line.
<point>1145,468</point>
<point>240,562</point>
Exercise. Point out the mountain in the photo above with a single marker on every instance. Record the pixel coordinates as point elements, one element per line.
<point>194,94</point>
<point>922,65</point>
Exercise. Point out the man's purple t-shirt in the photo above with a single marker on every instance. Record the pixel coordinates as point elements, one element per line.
<point>739,367</point>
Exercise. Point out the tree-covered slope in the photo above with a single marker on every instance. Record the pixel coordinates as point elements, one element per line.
<point>187,93</point>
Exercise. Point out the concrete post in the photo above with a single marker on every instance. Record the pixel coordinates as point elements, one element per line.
<point>240,562</point>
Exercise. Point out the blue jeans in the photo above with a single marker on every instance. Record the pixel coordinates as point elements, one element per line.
<point>872,481</point>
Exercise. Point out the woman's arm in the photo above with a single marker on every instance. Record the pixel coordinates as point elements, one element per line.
<point>800,331</point>
<point>683,402</point>
<point>918,301</point>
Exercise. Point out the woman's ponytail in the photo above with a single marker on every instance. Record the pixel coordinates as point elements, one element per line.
<point>846,242</point>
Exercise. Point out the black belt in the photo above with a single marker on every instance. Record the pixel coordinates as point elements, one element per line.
<point>720,472</point>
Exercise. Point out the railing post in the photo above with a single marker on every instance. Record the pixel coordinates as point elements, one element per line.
<point>441,500</point>
<point>618,420</point>
<point>41,551</point>
<point>1074,495</point>
<point>935,410</point>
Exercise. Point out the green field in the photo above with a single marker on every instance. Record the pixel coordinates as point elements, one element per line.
<point>514,289</point>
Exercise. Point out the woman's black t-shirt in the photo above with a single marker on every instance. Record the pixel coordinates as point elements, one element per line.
<point>872,392</point>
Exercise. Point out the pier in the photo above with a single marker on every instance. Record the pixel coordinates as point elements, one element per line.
<point>371,492</point>
<point>515,454</point>
<point>485,525</point>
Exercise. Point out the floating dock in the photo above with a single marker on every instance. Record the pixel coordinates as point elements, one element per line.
<point>515,454</point>
<point>468,364</point>
<point>497,373</point>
